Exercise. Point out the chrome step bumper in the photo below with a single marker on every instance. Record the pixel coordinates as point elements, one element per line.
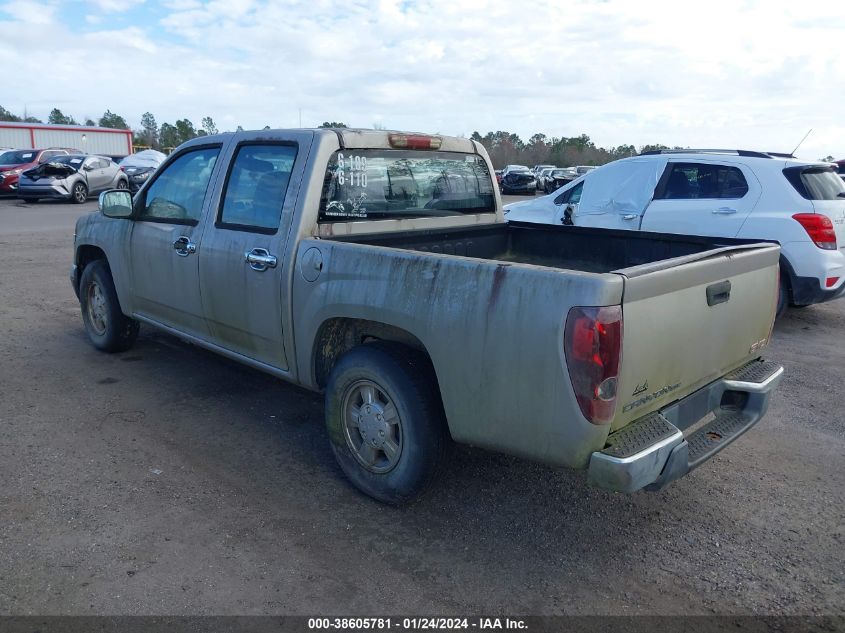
<point>653,451</point>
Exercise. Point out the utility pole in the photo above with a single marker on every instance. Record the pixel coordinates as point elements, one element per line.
<point>300,117</point>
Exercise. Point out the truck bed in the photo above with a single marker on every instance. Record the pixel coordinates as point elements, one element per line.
<point>564,247</point>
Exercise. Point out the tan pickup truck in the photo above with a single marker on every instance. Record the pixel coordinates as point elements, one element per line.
<point>377,267</point>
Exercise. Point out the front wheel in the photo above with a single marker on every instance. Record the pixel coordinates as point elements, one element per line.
<point>122,184</point>
<point>79,193</point>
<point>385,421</point>
<point>107,327</point>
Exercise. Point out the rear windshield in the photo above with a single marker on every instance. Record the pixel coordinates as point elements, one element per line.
<point>17,157</point>
<point>379,184</point>
<point>70,160</point>
<point>815,183</point>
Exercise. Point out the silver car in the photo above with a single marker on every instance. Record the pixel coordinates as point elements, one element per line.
<point>74,177</point>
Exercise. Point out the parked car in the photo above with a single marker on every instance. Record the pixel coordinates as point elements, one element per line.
<point>536,169</point>
<point>840,168</point>
<point>139,167</point>
<point>720,193</point>
<point>583,169</point>
<point>15,162</point>
<point>518,179</point>
<point>541,178</point>
<point>552,343</point>
<point>559,177</point>
<point>73,177</point>
<point>499,173</point>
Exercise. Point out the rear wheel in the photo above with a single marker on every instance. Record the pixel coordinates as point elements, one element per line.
<point>385,421</point>
<point>783,296</point>
<point>79,193</point>
<point>107,327</point>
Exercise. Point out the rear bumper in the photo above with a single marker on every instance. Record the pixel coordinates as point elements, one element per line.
<point>808,290</point>
<point>654,450</point>
<point>522,186</point>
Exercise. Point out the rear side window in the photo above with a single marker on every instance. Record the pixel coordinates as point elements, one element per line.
<point>697,181</point>
<point>815,183</point>
<point>381,184</point>
<point>178,192</point>
<point>255,190</point>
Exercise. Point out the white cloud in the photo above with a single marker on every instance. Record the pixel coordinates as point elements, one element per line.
<point>115,6</point>
<point>753,74</point>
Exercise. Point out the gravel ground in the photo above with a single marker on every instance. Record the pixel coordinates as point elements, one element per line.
<point>167,480</point>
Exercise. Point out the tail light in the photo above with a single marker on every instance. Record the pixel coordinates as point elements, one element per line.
<point>830,282</point>
<point>819,228</point>
<point>592,343</point>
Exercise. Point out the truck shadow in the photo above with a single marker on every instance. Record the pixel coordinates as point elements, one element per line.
<point>267,439</point>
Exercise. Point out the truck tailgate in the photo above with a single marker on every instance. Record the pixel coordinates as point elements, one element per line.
<point>690,320</point>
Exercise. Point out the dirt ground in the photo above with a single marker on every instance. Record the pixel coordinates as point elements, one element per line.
<point>168,480</point>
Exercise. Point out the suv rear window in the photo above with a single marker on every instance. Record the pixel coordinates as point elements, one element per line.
<point>815,183</point>
<point>379,184</point>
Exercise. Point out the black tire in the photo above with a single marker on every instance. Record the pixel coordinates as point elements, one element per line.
<point>107,327</point>
<point>122,184</point>
<point>404,378</point>
<point>79,193</point>
<point>783,297</point>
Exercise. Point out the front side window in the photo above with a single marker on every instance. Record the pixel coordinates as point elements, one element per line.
<point>379,184</point>
<point>255,190</point>
<point>696,181</point>
<point>178,192</point>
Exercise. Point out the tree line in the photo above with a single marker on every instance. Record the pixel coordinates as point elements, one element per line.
<point>505,148</point>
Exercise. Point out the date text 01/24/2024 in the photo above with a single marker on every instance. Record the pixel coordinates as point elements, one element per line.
<point>414,624</point>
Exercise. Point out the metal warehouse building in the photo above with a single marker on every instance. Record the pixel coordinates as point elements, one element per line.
<point>91,140</point>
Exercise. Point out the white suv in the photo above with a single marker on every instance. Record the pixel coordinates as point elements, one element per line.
<point>718,193</point>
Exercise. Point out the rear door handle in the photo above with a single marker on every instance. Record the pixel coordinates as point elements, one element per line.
<point>260,259</point>
<point>724,211</point>
<point>184,246</point>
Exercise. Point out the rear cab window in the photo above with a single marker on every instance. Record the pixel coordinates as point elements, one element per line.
<point>816,182</point>
<point>377,184</point>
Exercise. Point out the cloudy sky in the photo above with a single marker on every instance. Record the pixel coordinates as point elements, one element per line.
<point>756,75</point>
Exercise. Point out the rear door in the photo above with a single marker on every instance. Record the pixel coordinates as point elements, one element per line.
<point>242,271</point>
<point>702,197</point>
<point>690,320</point>
<point>99,177</point>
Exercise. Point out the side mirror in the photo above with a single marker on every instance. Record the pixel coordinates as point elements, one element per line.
<point>87,167</point>
<point>116,203</point>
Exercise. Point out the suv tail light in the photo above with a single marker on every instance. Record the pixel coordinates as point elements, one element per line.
<point>819,228</point>
<point>592,343</point>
